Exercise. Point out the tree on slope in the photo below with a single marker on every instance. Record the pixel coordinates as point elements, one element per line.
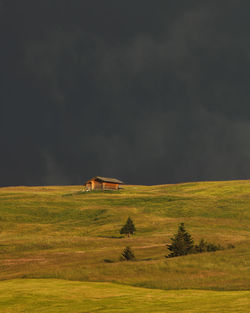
<point>127,255</point>
<point>182,243</point>
<point>128,228</point>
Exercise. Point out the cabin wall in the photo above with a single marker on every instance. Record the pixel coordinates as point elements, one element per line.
<point>110,186</point>
<point>89,186</point>
<point>97,185</point>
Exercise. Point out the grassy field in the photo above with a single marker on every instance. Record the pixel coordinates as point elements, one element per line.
<point>65,233</point>
<point>52,296</point>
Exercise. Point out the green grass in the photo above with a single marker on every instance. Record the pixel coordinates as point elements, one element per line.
<point>52,296</point>
<point>64,233</point>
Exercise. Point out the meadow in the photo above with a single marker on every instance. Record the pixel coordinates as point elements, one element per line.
<point>52,296</point>
<point>63,235</point>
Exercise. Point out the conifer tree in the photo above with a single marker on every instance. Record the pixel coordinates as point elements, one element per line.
<point>127,255</point>
<point>128,228</point>
<point>182,243</point>
<point>205,246</point>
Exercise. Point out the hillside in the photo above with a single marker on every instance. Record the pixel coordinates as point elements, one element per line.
<point>53,296</point>
<point>65,233</point>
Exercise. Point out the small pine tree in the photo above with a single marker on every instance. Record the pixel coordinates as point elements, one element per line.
<point>201,247</point>
<point>128,228</point>
<point>127,255</point>
<point>182,243</point>
<point>205,246</point>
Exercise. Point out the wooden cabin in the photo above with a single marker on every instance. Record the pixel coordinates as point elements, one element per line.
<point>103,183</point>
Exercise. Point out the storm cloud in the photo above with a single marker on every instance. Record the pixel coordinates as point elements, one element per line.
<point>146,91</point>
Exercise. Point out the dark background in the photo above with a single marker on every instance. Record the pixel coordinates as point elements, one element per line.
<point>146,91</point>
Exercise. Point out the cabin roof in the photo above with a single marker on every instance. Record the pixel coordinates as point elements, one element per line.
<point>106,180</point>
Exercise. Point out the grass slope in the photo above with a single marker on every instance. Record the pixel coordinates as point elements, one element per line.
<point>61,232</point>
<point>52,296</point>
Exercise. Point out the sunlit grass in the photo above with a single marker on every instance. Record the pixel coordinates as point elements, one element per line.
<point>63,232</point>
<point>52,296</point>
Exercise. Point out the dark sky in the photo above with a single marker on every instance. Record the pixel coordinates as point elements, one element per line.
<point>146,91</point>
